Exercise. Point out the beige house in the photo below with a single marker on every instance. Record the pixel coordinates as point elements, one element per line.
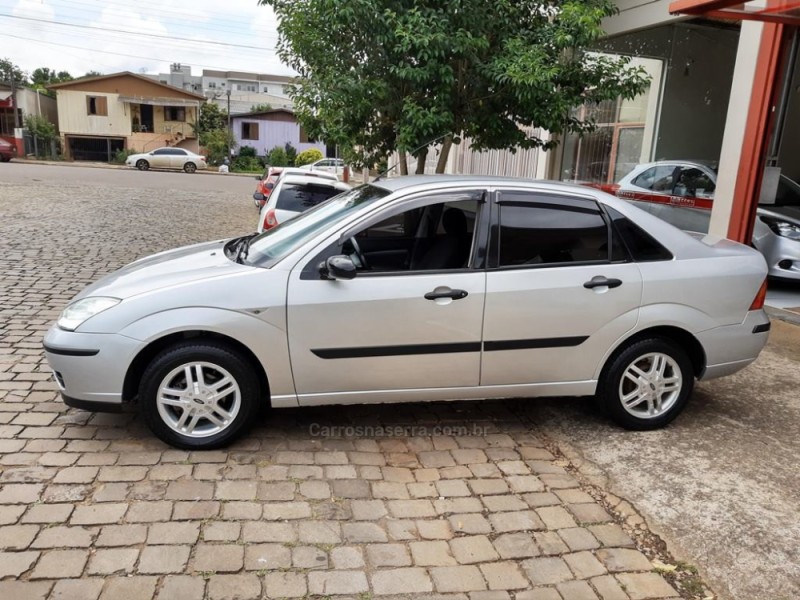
<point>99,115</point>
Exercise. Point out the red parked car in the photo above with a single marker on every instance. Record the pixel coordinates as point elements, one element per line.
<point>7,150</point>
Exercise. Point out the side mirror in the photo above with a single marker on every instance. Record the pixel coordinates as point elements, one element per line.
<point>258,196</point>
<point>338,267</point>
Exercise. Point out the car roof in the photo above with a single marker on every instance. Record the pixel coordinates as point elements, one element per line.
<point>395,184</point>
<point>313,180</point>
<point>308,172</point>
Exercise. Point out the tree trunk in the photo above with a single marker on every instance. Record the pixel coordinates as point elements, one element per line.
<point>403,162</point>
<point>446,145</point>
<point>421,158</point>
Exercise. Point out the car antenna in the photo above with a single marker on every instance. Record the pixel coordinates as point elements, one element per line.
<point>425,145</point>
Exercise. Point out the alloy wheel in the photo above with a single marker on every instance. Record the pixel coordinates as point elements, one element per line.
<point>650,385</point>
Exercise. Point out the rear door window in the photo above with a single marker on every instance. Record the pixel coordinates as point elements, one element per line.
<point>300,197</point>
<point>657,179</point>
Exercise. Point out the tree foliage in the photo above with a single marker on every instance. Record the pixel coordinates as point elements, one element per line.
<point>264,107</point>
<point>212,119</point>
<point>216,142</point>
<point>10,71</point>
<point>306,157</point>
<point>40,127</point>
<point>44,76</point>
<point>375,76</point>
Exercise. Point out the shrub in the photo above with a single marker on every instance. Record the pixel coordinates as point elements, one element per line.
<point>247,151</point>
<point>246,163</point>
<point>307,157</point>
<point>291,154</point>
<point>277,157</point>
<point>120,156</point>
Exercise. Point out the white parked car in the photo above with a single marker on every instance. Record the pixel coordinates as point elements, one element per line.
<point>331,165</point>
<point>295,194</point>
<point>266,182</point>
<point>682,193</point>
<point>412,289</point>
<point>167,158</point>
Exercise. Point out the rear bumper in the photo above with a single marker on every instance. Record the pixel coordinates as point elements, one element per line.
<point>731,348</point>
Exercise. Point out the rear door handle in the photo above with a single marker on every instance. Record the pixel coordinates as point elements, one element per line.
<point>454,294</point>
<point>601,281</point>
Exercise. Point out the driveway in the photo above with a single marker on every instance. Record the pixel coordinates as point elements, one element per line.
<point>461,501</point>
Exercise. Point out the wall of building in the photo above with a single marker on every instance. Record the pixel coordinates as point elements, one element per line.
<point>73,117</point>
<point>33,103</point>
<point>279,130</point>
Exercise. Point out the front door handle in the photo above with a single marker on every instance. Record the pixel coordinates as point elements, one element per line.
<point>454,294</point>
<point>601,281</point>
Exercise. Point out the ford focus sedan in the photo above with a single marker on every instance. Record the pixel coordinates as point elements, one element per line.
<point>412,289</point>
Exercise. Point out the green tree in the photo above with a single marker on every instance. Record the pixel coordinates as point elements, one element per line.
<point>43,131</point>
<point>216,143</point>
<point>93,74</point>
<point>212,119</point>
<point>306,157</point>
<point>261,107</point>
<point>291,154</point>
<point>44,76</point>
<point>9,71</point>
<point>378,75</point>
<point>277,157</point>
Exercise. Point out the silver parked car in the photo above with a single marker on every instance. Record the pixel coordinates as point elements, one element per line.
<point>167,158</point>
<point>682,193</point>
<point>417,288</point>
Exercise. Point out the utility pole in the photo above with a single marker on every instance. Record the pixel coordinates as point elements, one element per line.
<point>17,113</point>
<point>230,132</point>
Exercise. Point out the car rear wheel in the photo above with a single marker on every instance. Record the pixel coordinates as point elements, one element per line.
<point>190,167</point>
<point>142,164</point>
<point>199,395</point>
<point>646,384</point>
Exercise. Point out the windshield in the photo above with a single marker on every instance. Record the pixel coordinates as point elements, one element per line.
<point>299,197</point>
<point>272,245</point>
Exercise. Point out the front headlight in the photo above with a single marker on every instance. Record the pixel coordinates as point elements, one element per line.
<point>783,228</point>
<point>78,312</point>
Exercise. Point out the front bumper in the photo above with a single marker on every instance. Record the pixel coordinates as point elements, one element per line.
<point>782,255</point>
<point>731,348</point>
<point>89,367</point>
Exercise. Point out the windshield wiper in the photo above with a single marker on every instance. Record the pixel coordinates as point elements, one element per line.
<point>243,247</point>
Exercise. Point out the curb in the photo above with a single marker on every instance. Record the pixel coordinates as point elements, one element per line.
<point>783,315</point>
<point>96,165</point>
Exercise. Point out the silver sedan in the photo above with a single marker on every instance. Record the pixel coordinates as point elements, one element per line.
<point>417,288</point>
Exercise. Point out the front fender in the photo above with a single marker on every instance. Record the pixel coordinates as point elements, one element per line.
<point>264,334</point>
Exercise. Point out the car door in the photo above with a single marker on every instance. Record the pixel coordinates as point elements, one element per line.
<point>160,159</point>
<point>559,290</point>
<point>393,330</point>
<point>177,158</point>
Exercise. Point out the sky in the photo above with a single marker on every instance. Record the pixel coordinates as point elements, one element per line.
<point>230,35</point>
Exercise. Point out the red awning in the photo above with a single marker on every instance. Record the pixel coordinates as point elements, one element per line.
<point>786,12</point>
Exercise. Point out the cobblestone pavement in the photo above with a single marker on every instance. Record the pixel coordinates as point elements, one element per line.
<point>470,501</point>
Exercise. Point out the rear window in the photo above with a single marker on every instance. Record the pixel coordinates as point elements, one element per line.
<point>300,197</point>
<point>642,246</point>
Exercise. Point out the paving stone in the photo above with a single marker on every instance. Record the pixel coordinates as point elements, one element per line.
<point>611,535</point>
<point>504,576</point>
<point>63,537</point>
<point>221,558</point>
<point>20,493</point>
<point>285,585</point>
<point>426,489</point>
<point>437,529</point>
<point>149,512</point>
<point>388,555</point>
<point>409,509</point>
<point>364,533</point>
<point>347,557</point>
<point>121,535</point>
<point>279,511</point>
<point>29,590</point>
<point>60,564</point>
<point>589,513</point>
<point>163,559</point>
<point>329,583</point>
<point>77,589</point>
<point>309,557</point>
<point>584,565</point>
<point>578,538</point>
<point>555,481</point>
<point>644,586</point>
<point>547,571</point>
<point>14,564</point>
<point>449,506</point>
<point>111,561</point>
<point>254,531</point>
<point>410,580</point>
<point>483,487</point>
<point>315,490</point>
<point>431,554</point>
<point>241,511</point>
<point>182,587</point>
<point>122,473</point>
<point>473,523</point>
<point>608,588</point>
<point>190,490</point>
<point>320,532</point>
<point>48,513</point>
<point>555,517</point>
<point>525,520</point>
<point>234,587</point>
<point>11,514</point>
<point>173,533</point>
<point>504,503</point>
<point>550,542</point>
<point>189,511</point>
<point>17,537</point>
<point>221,531</point>
<point>390,490</point>
<point>457,579</point>
<point>76,475</point>
<point>473,549</point>
<point>98,514</point>
<point>538,499</point>
<point>623,559</point>
<point>576,590</point>
<point>516,545</point>
<point>368,510</point>
<point>236,490</point>
<point>267,556</point>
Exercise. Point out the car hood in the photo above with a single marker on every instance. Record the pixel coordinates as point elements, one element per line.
<point>789,213</point>
<point>166,270</point>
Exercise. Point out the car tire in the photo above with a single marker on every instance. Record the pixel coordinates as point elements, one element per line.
<point>217,407</point>
<point>142,164</point>
<point>190,167</point>
<point>646,384</point>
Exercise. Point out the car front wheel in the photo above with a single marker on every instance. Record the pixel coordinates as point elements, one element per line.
<point>646,384</point>
<point>142,164</point>
<point>198,395</point>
